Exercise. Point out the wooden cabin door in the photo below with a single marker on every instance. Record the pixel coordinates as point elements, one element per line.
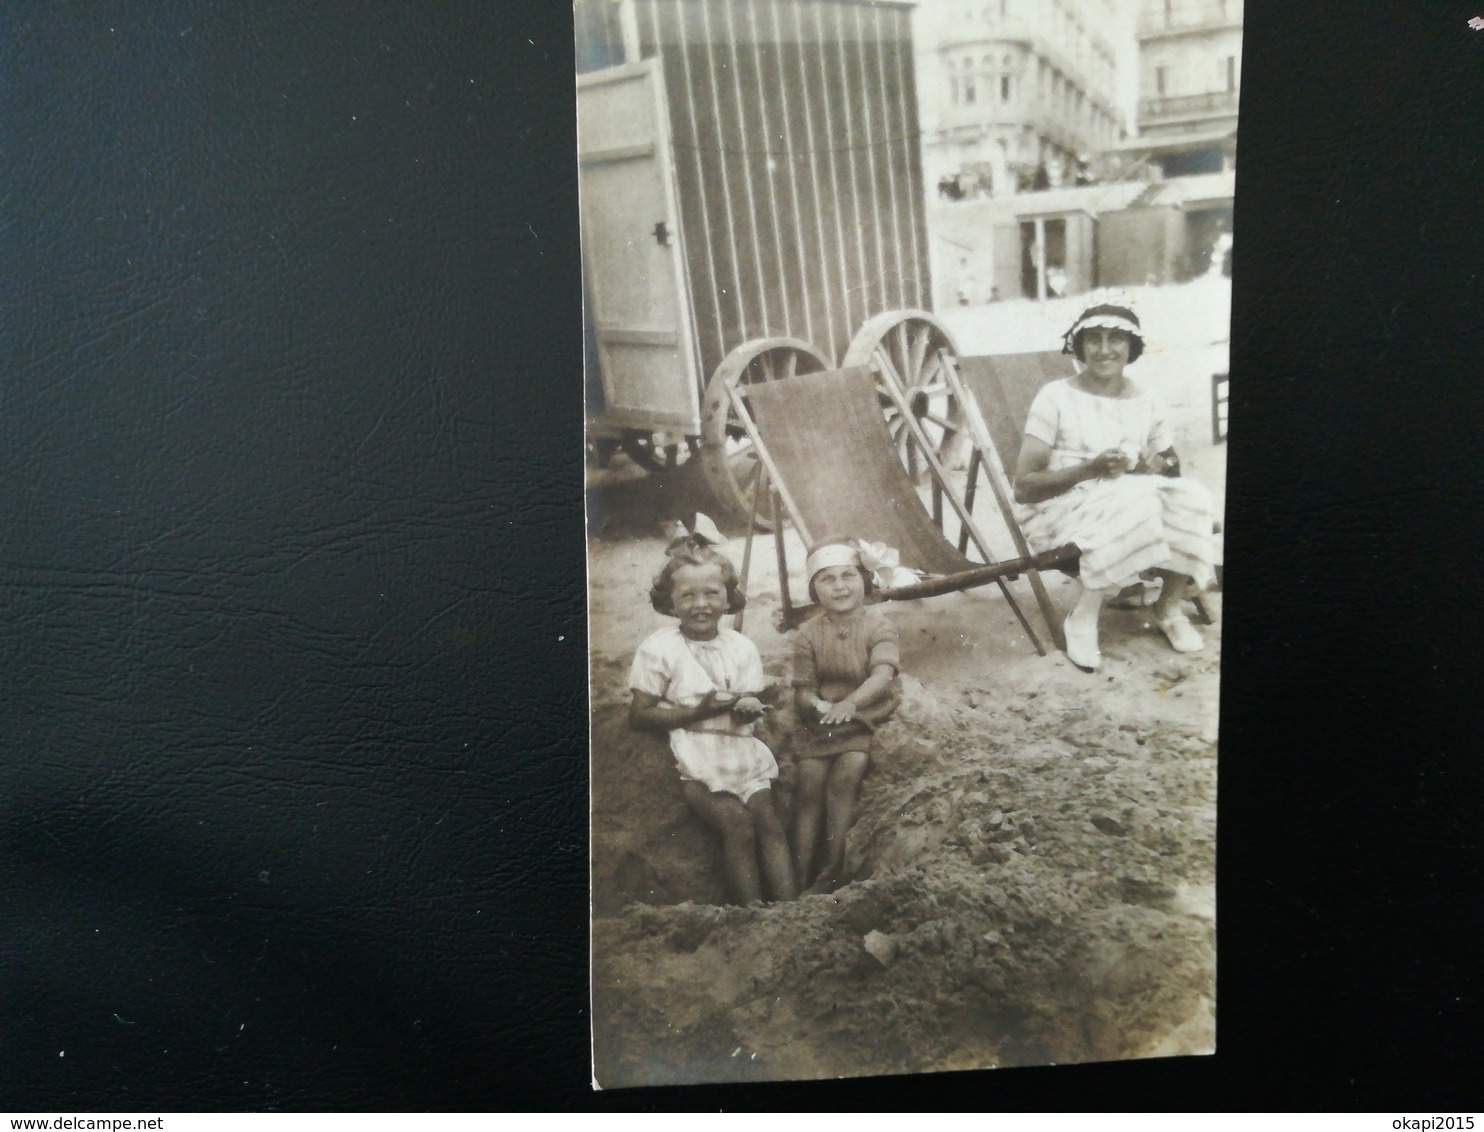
<point>632,258</point>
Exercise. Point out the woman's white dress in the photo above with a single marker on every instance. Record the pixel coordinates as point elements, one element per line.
<point>1126,525</point>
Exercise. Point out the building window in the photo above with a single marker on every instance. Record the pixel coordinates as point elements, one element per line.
<point>1231,72</point>
<point>1007,88</point>
<point>1161,80</point>
<point>1169,12</point>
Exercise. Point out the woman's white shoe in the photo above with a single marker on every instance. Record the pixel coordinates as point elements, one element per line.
<point>1181,633</point>
<point>1082,642</point>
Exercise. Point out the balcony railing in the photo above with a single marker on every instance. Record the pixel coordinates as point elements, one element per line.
<point>1188,105</point>
<point>1191,17</point>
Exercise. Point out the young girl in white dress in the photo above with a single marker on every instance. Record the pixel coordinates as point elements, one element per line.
<point>699,683</point>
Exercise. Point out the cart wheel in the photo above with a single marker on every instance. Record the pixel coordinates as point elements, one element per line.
<point>903,347</point>
<point>733,470</point>
<point>658,451</point>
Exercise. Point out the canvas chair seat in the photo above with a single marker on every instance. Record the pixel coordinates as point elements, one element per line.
<point>824,443</point>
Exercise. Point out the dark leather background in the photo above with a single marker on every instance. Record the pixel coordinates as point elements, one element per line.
<point>292,798</point>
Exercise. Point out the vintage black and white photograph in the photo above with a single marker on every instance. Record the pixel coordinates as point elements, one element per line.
<point>907,336</point>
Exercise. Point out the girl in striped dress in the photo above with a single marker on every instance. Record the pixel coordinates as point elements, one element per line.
<point>1097,469</point>
<point>846,661</point>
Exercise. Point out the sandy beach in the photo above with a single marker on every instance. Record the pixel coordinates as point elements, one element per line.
<point>1034,863</point>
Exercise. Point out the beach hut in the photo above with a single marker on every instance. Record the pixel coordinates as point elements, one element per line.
<point>752,207</point>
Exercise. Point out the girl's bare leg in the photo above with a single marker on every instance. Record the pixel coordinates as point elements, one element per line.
<point>772,846</point>
<point>808,810</point>
<point>726,814</point>
<point>841,792</point>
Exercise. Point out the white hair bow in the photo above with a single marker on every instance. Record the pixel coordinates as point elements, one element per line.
<point>885,564</point>
<point>701,533</point>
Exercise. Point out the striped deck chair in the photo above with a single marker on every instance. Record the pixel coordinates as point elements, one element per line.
<point>995,395</point>
<point>832,466</point>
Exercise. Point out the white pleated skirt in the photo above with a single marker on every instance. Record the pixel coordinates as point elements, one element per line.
<point>1127,525</point>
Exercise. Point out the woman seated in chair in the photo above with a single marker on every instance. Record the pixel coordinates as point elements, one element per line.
<point>1098,468</point>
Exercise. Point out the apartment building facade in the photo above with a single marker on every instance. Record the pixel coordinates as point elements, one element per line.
<point>1016,94</point>
<point>1190,74</point>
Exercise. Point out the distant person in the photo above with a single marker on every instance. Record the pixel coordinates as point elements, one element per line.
<point>1221,256</point>
<point>994,294</point>
<point>700,684</point>
<point>968,285</point>
<point>1097,469</point>
<point>845,667</point>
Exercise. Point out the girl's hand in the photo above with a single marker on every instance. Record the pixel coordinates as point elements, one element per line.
<point>842,712</point>
<point>749,707</point>
<point>714,703</point>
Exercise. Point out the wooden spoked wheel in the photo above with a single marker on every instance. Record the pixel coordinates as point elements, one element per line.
<point>906,348</point>
<point>730,462</point>
<point>658,451</point>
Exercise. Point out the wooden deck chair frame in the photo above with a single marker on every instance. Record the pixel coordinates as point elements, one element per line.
<point>783,502</point>
<point>986,457</point>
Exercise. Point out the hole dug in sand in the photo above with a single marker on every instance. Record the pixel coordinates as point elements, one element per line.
<point>1028,888</point>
